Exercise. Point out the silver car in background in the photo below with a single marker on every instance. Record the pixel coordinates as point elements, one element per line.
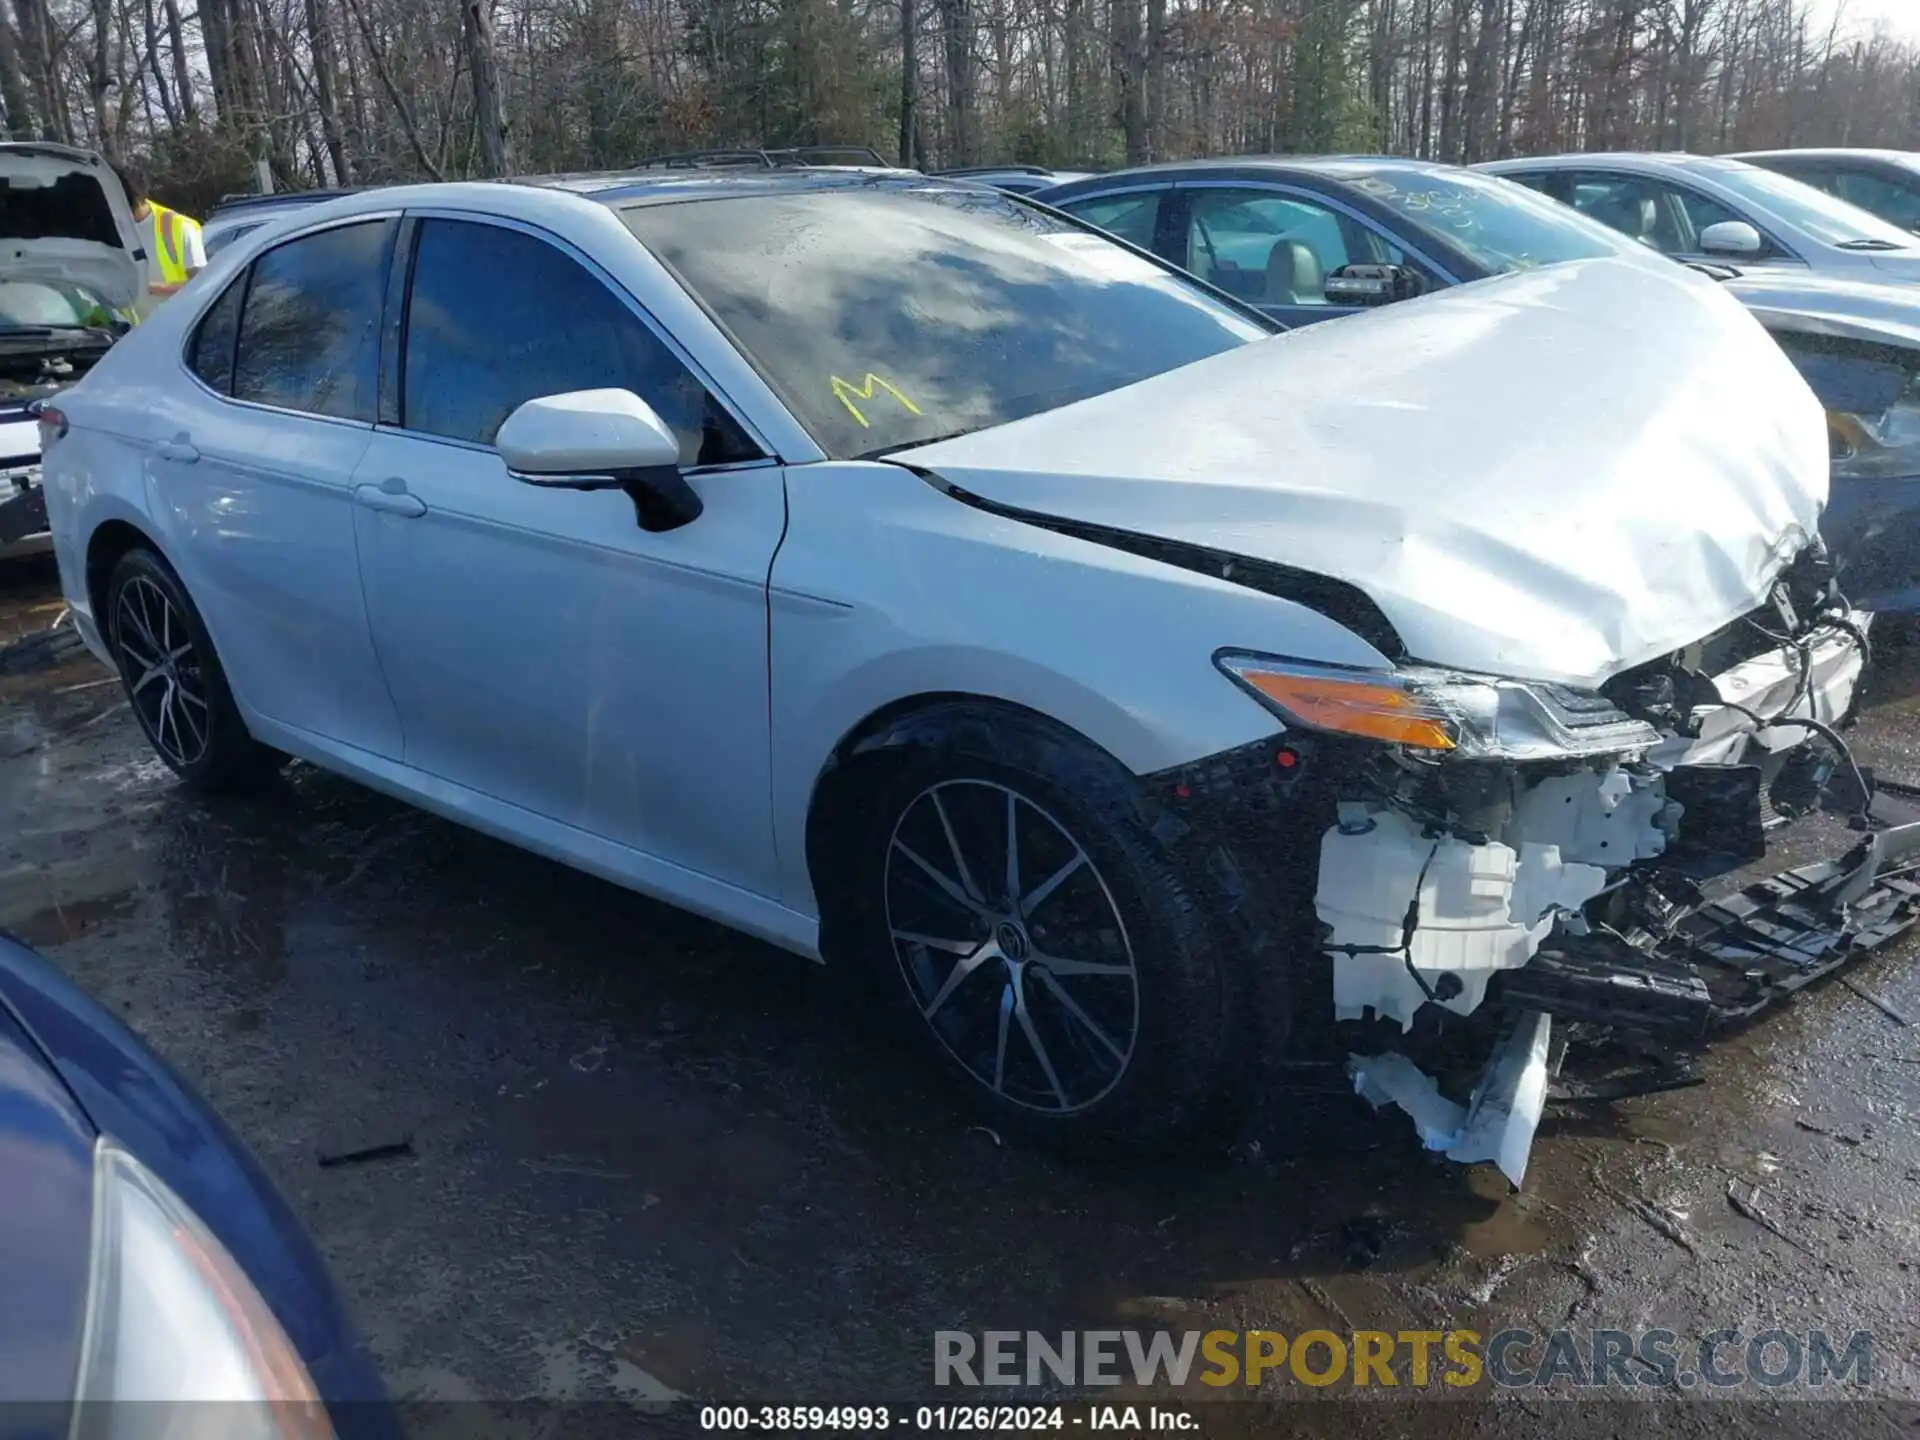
<point>1699,207</point>
<point>1885,182</point>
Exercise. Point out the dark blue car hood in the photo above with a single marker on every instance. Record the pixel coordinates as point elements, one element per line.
<point>46,1222</point>
<point>132,1096</point>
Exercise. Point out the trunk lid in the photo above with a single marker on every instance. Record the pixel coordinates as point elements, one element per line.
<point>1558,474</point>
<point>64,219</point>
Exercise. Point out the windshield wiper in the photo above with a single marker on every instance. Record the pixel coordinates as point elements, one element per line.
<point>884,450</point>
<point>1868,245</point>
<point>47,332</point>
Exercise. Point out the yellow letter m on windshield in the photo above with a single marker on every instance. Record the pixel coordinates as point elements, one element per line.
<point>847,393</point>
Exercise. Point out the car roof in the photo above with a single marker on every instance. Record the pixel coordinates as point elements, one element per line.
<point>630,187</point>
<point>611,187</point>
<point>621,189</point>
<point>1333,166</point>
<point>1829,152</point>
<point>229,204</point>
<point>1624,159</point>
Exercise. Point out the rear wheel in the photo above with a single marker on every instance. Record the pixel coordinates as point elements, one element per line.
<point>1012,900</point>
<point>174,681</point>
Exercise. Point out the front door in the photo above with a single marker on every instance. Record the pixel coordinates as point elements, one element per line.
<point>543,649</point>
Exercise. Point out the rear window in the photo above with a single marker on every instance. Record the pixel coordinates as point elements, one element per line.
<point>900,313</point>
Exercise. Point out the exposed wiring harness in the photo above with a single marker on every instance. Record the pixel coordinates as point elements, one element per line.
<point>1826,732</point>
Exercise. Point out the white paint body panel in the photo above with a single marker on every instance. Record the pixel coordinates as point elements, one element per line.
<point>1554,475</point>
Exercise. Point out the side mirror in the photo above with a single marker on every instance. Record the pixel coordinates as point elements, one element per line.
<point>601,440</point>
<point>1731,237</point>
<point>1370,284</point>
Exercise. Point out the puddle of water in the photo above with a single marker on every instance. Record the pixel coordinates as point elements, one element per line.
<point>57,924</point>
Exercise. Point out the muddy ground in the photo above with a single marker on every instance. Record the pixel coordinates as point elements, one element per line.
<point>648,1155</point>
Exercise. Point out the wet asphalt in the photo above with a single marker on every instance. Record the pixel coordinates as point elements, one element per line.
<point>640,1156</point>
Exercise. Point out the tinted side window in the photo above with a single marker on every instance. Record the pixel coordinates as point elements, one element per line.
<point>310,333</point>
<point>1275,249</point>
<point>1131,216</point>
<point>1701,211</point>
<point>1885,197</point>
<point>477,348</point>
<point>1630,205</point>
<point>211,354</point>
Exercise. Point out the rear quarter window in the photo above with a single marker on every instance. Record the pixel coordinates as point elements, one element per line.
<point>210,352</point>
<point>310,324</point>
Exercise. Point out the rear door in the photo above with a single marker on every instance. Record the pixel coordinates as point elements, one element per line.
<point>253,469</point>
<point>546,652</point>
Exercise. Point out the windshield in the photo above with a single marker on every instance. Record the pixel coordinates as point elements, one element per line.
<point>1825,217</point>
<point>1501,225</point>
<point>900,312</point>
<point>35,304</point>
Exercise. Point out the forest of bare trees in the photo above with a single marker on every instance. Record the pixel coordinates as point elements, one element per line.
<point>360,91</point>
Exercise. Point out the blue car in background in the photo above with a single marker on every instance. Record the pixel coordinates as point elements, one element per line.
<point>144,1255</point>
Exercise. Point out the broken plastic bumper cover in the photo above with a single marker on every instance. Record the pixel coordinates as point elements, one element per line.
<point>1497,1124</point>
<point>1573,891</point>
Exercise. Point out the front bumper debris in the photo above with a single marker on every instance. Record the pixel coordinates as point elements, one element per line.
<point>1497,1124</point>
<point>1583,893</point>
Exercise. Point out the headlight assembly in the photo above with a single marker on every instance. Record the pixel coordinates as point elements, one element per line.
<point>175,1326</point>
<point>1469,716</point>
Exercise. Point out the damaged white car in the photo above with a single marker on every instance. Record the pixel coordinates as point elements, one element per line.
<point>921,581</point>
<point>70,257</point>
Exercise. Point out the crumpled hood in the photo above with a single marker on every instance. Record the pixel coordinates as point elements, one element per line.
<point>66,220</point>
<point>1555,475</point>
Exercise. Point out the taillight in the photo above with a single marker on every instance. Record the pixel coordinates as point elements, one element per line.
<point>53,425</point>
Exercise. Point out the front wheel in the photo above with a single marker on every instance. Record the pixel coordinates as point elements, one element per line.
<point>1036,935</point>
<point>174,681</point>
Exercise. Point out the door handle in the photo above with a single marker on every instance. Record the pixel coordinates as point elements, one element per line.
<point>180,449</point>
<point>390,497</point>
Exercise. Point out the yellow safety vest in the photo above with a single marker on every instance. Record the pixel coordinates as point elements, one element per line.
<point>170,244</point>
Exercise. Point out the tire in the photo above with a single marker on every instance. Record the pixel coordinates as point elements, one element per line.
<point>1134,1057</point>
<point>174,682</point>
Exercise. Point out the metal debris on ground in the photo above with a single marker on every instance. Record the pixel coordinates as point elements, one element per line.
<point>1885,1007</point>
<point>41,650</point>
<point>1813,1129</point>
<point>1749,1206</point>
<point>383,1150</point>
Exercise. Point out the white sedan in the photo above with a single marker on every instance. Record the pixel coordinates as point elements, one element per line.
<point>912,577</point>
